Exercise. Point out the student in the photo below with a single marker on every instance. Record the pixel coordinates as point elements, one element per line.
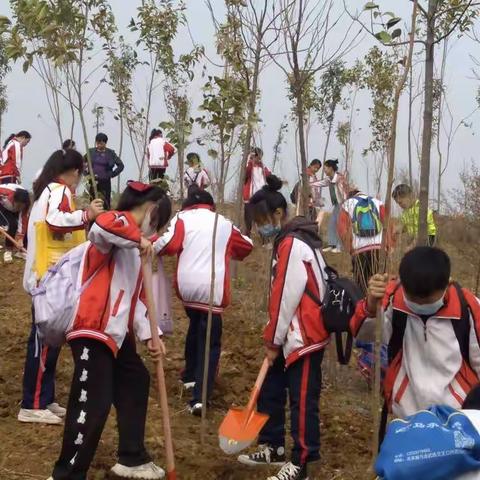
<point>195,174</point>
<point>106,165</point>
<point>14,207</point>
<point>434,351</point>
<point>159,152</point>
<point>337,186</point>
<point>111,311</point>
<point>69,144</point>
<point>12,157</point>
<point>190,238</point>
<point>255,178</point>
<point>403,195</point>
<point>53,208</point>
<point>360,226</point>
<point>295,338</point>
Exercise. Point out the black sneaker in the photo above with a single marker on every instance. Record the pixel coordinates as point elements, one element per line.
<point>291,472</point>
<point>265,455</point>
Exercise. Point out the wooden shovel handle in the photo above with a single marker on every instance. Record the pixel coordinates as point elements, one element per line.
<point>17,245</point>
<point>258,385</point>
<point>162,388</point>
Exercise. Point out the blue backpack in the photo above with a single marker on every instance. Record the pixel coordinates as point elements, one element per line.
<point>435,444</point>
<point>366,218</point>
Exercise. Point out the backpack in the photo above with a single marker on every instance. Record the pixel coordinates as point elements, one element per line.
<point>56,297</point>
<point>338,305</point>
<point>366,218</point>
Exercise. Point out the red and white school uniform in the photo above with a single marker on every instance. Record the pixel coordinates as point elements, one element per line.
<point>196,176</point>
<point>17,221</point>
<point>11,164</point>
<point>255,178</point>
<point>159,152</point>
<point>429,369</point>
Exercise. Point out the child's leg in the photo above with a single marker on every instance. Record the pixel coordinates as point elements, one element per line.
<point>39,373</point>
<point>304,384</point>
<point>215,349</point>
<point>9,221</point>
<point>188,374</point>
<point>130,397</point>
<point>272,401</point>
<point>89,403</point>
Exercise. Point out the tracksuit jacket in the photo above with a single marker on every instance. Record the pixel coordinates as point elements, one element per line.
<point>159,152</point>
<point>189,236</point>
<point>255,179</point>
<point>11,164</point>
<point>429,369</point>
<point>7,192</point>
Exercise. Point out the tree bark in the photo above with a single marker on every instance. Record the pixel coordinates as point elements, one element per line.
<point>410,108</point>
<point>427,125</point>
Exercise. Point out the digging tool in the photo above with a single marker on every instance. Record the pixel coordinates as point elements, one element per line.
<point>162,388</point>
<point>17,245</point>
<point>241,427</point>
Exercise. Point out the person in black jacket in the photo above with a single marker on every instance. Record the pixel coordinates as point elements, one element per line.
<point>106,165</point>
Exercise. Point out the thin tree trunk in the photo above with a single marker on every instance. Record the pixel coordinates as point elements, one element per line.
<point>427,125</point>
<point>327,141</point>
<point>409,138</point>
<point>120,149</point>
<point>439,124</point>
<point>303,154</point>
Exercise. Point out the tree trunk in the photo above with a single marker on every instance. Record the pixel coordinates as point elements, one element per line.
<point>221,183</point>
<point>327,141</point>
<point>427,125</point>
<point>120,149</point>
<point>303,154</point>
<point>439,124</point>
<point>409,138</point>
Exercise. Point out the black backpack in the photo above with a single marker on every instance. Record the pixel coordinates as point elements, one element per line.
<point>338,305</point>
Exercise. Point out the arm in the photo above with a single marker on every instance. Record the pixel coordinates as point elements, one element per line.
<point>344,228</point>
<point>248,170</point>
<point>18,158</point>
<point>60,216</point>
<point>171,242</point>
<point>240,245</point>
<point>288,287</point>
<point>141,324</point>
<point>114,229</point>
<point>325,182</point>
<point>168,150</point>
<point>118,165</point>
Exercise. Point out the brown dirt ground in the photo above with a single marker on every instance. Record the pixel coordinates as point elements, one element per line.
<point>29,451</point>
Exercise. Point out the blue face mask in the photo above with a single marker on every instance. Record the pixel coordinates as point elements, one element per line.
<point>269,230</point>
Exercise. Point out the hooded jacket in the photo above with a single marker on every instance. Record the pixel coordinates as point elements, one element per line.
<point>295,320</point>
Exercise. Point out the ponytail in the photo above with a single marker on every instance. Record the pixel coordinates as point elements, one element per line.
<point>21,133</point>
<point>7,141</point>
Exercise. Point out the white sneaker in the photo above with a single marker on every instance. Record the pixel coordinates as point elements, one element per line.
<point>148,471</point>
<point>20,255</point>
<point>188,385</point>
<point>50,478</point>
<point>327,249</point>
<point>38,416</point>
<point>7,257</point>
<point>57,410</point>
<point>336,250</point>
<point>196,410</point>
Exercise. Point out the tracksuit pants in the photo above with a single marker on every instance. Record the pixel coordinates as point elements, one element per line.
<point>156,173</point>
<point>333,238</point>
<point>39,373</point>
<point>302,380</point>
<point>100,380</point>
<point>9,220</point>
<point>195,351</point>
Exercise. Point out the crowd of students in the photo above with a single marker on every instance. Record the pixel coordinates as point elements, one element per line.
<point>431,325</point>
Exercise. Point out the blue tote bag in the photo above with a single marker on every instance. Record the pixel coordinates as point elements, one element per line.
<point>435,444</point>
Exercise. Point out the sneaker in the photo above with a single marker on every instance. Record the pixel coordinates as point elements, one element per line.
<point>20,255</point>
<point>50,478</point>
<point>327,249</point>
<point>187,385</point>
<point>265,455</point>
<point>148,471</point>
<point>196,409</point>
<point>7,257</point>
<point>38,416</point>
<point>336,250</point>
<point>57,410</point>
<point>291,472</point>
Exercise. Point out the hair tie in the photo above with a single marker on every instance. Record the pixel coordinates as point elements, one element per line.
<point>139,186</point>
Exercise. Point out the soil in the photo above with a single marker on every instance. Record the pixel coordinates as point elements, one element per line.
<point>29,451</point>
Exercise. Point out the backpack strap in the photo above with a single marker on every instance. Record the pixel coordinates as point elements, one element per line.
<point>462,327</point>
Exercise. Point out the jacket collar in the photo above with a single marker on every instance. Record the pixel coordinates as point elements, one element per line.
<point>203,206</point>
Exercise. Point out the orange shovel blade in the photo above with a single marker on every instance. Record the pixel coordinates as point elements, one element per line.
<point>240,428</point>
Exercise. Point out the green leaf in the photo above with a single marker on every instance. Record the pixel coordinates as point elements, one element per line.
<point>25,66</point>
<point>396,33</point>
<point>370,6</point>
<point>392,22</point>
<point>384,37</point>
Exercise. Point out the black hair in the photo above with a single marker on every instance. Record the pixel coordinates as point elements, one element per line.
<point>258,151</point>
<point>21,133</point>
<point>22,196</point>
<point>352,193</point>
<point>424,271</point>
<point>197,196</point>
<point>472,400</point>
<point>131,199</point>
<point>315,161</point>
<point>154,134</point>
<point>59,162</point>
<point>268,199</point>
<point>402,190</point>
<point>69,143</point>
<point>101,137</point>
<point>192,156</point>
<point>333,164</point>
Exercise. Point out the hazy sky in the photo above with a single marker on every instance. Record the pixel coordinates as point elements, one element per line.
<point>28,108</point>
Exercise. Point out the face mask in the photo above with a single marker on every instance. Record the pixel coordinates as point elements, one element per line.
<point>269,230</point>
<point>425,309</point>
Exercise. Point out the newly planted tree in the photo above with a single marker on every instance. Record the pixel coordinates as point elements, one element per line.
<point>4,70</point>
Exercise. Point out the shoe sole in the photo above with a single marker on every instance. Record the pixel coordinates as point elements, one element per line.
<point>38,420</point>
<point>251,463</point>
<point>125,474</point>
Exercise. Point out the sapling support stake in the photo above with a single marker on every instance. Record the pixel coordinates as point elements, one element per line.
<point>206,363</point>
<point>160,373</point>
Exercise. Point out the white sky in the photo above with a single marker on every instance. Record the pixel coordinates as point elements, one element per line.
<point>28,108</point>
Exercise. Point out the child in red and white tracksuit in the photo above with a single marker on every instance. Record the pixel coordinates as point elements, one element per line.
<point>159,152</point>
<point>190,238</point>
<point>12,157</point>
<point>110,313</point>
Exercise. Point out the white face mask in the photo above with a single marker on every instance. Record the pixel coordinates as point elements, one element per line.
<point>427,308</point>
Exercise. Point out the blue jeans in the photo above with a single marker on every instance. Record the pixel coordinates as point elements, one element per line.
<point>333,238</point>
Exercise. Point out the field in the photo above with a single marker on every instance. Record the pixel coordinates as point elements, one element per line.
<point>29,451</point>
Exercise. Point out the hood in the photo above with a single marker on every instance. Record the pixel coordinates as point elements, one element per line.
<point>301,228</point>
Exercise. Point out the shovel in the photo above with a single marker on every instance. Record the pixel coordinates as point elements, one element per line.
<point>241,427</point>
